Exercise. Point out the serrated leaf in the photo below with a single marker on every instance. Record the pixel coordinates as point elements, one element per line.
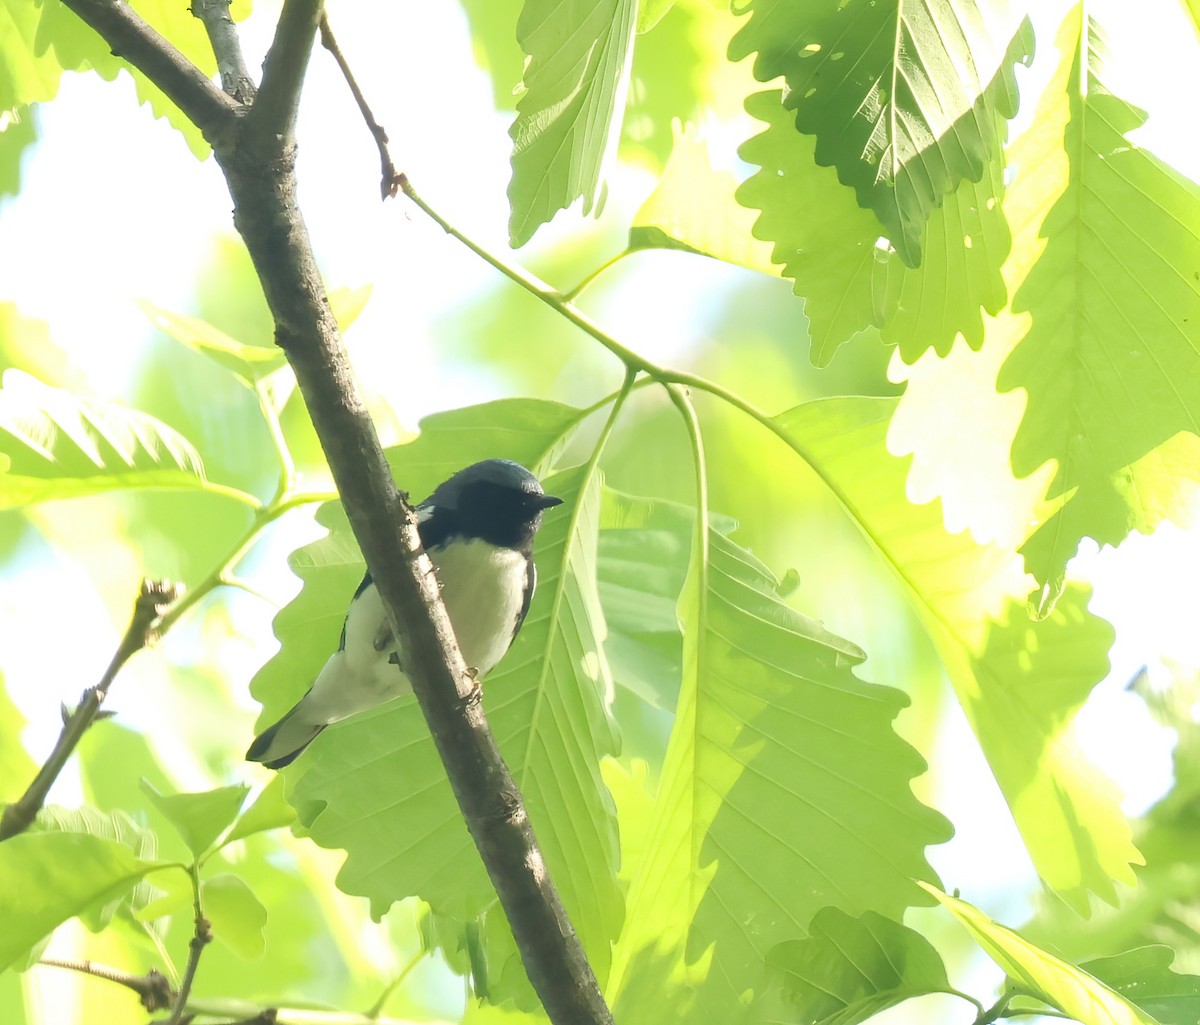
<point>1039,973</point>
<point>902,98</point>
<point>57,444</point>
<point>1106,360</point>
<point>249,362</point>
<point>269,810</point>
<point>545,703</point>
<point>568,117</point>
<point>47,878</point>
<point>784,790</point>
<point>199,818</point>
<point>1144,977</point>
<point>850,969</point>
<point>1020,682</point>
<point>693,209</point>
<point>112,825</point>
<point>849,278</point>
<point>238,918</point>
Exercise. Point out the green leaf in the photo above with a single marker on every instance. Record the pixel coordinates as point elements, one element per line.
<point>17,769</point>
<point>785,789</point>
<point>238,917</point>
<point>199,818</point>
<point>1144,977</point>
<point>902,98</point>
<point>1042,975</point>
<point>568,117</point>
<point>55,444</point>
<point>852,968</point>
<point>692,209</point>
<point>545,702</point>
<point>268,811</point>
<point>1020,682</point>
<point>1114,337</point>
<point>16,136</point>
<point>849,279</point>
<point>46,878</point>
<point>250,362</point>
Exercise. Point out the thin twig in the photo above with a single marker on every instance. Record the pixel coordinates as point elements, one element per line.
<point>153,601</point>
<point>273,116</point>
<point>227,48</point>
<point>201,938</point>
<point>389,183</point>
<point>153,989</point>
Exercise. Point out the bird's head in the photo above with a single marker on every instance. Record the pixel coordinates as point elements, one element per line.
<point>497,500</point>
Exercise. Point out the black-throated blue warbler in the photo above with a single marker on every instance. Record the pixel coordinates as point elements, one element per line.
<point>477,528</point>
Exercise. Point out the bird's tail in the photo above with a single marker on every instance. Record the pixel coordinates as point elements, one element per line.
<point>281,744</point>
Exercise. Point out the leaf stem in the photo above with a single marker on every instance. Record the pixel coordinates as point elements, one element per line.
<point>201,938</point>
<point>591,277</point>
<point>376,1009</point>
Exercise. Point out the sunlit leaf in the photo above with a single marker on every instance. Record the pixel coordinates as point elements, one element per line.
<point>269,810</point>
<point>852,968</point>
<point>1020,682</point>
<point>16,136</point>
<point>568,117</point>
<point>903,98</point>
<point>236,915</point>
<point>785,790</point>
<point>1144,977</point>
<point>1114,336</point>
<point>849,277</point>
<point>63,445</point>
<point>249,362</point>
<point>692,208</point>
<point>201,817</point>
<point>1039,973</point>
<point>16,767</point>
<point>46,878</point>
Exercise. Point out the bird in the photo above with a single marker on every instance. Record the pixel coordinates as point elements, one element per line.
<point>477,528</point>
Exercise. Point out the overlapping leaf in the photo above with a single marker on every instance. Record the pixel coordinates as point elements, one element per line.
<point>849,278</point>
<point>1020,682</point>
<point>377,788</point>
<point>568,118</point>
<point>903,98</point>
<point>852,968</point>
<point>1040,974</point>
<point>1144,977</point>
<point>1109,358</point>
<point>785,790</point>
<point>56,444</point>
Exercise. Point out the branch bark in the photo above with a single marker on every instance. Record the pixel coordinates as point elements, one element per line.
<point>152,603</point>
<point>256,153</point>
<point>226,47</point>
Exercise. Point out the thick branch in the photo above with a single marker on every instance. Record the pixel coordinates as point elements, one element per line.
<point>152,602</point>
<point>132,39</point>
<point>273,115</point>
<point>227,48</point>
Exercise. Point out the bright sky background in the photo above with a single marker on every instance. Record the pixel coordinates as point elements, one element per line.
<point>78,251</point>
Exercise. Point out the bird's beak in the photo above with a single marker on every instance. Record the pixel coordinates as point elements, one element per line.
<point>546,501</point>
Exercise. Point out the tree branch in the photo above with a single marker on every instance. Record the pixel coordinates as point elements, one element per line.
<point>389,183</point>
<point>152,603</point>
<point>201,938</point>
<point>153,989</point>
<point>273,115</point>
<point>227,48</point>
<point>257,157</point>
<point>132,39</point>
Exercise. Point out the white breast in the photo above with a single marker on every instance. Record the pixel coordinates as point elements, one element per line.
<point>483,588</point>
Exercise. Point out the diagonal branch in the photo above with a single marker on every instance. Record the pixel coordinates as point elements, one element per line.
<point>273,116</point>
<point>227,48</point>
<point>152,603</point>
<point>132,39</point>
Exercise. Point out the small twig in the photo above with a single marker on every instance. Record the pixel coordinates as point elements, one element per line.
<point>389,183</point>
<point>227,48</point>
<point>153,601</point>
<point>153,989</point>
<point>201,938</point>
